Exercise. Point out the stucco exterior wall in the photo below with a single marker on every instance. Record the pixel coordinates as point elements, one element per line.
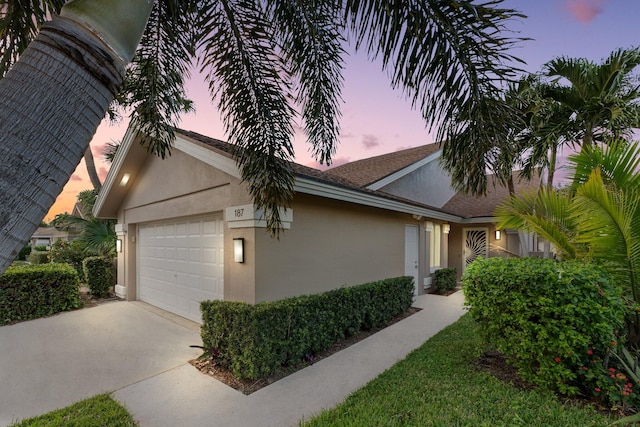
<point>429,184</point>
<point>456,244</point>
<point>330,244</point>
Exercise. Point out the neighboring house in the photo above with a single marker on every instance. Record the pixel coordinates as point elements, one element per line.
<point>45,236</point>
<point>188,230</point>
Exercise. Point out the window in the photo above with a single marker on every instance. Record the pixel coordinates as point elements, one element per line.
<point>434,247</point>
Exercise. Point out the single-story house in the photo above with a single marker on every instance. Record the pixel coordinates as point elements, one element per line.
<point>188,230</point>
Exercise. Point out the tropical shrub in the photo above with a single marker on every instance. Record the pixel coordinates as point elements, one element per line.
<point>38,257</point>
<point>24,253</point>
<point>32,291</point>
<point>545,315</point>
<point>98,272</point>
<point>445,279</point>
<point>71,253</point>
<point>255,340</point>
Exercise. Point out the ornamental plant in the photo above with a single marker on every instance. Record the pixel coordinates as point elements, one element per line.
<point>544,315</point>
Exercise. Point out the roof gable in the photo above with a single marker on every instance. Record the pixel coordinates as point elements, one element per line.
<point>373,169</point>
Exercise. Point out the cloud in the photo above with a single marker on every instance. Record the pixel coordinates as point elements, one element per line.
<point>334,162</point>
<point>75,177</point>
<point>585,10</point>
<point>370,141</point>
<point>102,173</point>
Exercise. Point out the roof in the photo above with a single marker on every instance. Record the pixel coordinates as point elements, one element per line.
<point>367,171</point>
<point>468,206</point>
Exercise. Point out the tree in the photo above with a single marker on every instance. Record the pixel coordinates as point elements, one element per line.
<point>598,218</point>
<point>257,56</point>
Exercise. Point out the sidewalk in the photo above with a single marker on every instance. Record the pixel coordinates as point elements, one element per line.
<point>183,396</point>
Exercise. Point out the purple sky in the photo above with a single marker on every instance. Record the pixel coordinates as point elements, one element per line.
<point>377,120</point>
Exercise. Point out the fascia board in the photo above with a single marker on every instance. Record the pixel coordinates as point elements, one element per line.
<point>208,156</point>
<point>308,186</point>
<point>403,172</point>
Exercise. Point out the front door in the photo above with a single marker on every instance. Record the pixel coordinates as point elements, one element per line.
<point>475,245</point>
<point>411,246</point>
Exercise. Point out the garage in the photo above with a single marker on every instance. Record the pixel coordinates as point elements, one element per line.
<point>180,263</point>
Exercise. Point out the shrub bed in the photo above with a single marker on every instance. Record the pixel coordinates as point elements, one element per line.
<point>71,253</point>
<point>444,280</point>
<point>38,257</point>
<point>33,291</point>
<point>98,273</point>
<point>547,316</point>
<point>254,340</point>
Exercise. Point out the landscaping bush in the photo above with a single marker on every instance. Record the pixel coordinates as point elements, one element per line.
<point>71,253</point>
<point>32,291</point>
<point>39,257</point>
<point>444,280</point>
<point>546,316</point>
<point>98,272</point>
<point>24,253</point>
<point>254,340</point>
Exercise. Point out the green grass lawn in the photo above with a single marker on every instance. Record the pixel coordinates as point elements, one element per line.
<point>98,411</point>
<point>437,385</point>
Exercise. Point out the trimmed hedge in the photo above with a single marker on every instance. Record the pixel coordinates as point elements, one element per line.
<point>71,253</point>
<point>98,272</point>
<point>545,315</point>
<point>33,291</point>
<point>255,340</point>
<point>445,279</point>
<point>38,257</point>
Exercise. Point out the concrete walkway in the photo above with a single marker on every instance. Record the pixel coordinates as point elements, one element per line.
<point>142,353</point>
<point>185,397</point>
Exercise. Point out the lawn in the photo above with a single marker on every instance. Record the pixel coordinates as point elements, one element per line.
<point>98,411</point>
<point>438,385</point>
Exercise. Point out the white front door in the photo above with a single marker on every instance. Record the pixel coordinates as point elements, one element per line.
<point>181,263</point>
<point>411,248</point>
<point>476,244</point>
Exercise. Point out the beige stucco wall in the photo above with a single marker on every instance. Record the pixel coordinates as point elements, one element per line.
<point>330,244</point>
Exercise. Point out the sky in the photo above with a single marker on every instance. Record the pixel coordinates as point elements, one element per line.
<point>377,120</point>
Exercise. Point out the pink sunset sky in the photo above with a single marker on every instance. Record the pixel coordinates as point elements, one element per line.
<point>376,119</point>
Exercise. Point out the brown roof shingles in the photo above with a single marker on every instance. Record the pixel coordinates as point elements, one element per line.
<point>367,171</point>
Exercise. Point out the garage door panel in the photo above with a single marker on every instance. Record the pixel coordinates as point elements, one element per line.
<point>181,263</point>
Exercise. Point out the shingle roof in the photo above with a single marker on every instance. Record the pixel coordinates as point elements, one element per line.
<point>367,171</point>
<point>483,206</point>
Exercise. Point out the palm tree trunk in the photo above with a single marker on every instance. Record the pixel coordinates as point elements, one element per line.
<point>91,169</point>
<point>53,100</point>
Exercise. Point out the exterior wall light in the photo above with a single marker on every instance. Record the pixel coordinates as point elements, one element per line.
<point>119,245</point>
<point>446,228</point>
<point>238,250</point>
<point>498,234</point>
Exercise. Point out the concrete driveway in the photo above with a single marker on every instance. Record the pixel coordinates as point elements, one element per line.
<point>50,363</point>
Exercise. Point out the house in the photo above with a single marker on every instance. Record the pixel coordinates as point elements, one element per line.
<point>46,236</point>
<point>188,231</point>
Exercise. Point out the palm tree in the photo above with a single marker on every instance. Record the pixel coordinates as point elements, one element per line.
<point>257,56</point>
<point>602,98</point>
<point>597,219</point>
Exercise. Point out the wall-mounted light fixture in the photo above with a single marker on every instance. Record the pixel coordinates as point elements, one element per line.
<point>238,249</point>
<point>125,179</point>
<point>119,245</point>
<point>498,234</point>
<point>446,228</point>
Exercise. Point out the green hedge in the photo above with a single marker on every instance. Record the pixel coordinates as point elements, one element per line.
<point>38,257</point>
<point>445,279</point>
<point>545,315</point>
<point>71,253</point>
<point>255,340</point>
<point>98,273</point>
<point>33,291</point>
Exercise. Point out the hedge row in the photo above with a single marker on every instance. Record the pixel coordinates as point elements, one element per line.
<point>98,273</point>
<point>545,315</point>
<point>33,291</point>
<point>255,340</point>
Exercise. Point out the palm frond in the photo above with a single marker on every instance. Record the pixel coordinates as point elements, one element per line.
<point>310,35</point>
<point>253,99</point>
<point>154,84</point>
<point>618,163</point>
<point>545,212</point>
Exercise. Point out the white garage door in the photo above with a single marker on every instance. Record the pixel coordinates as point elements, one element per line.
<point>181,263</point>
